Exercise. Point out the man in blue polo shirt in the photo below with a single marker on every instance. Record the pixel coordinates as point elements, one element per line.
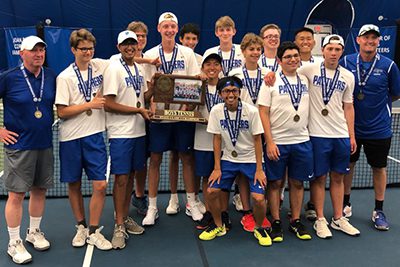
<point>28,93</point>
<point>377,84</point>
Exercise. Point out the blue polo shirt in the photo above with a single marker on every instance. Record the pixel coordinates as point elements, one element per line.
<point>373,114</point>
<point>19,108</point>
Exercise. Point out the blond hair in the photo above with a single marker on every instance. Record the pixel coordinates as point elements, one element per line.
<point>81,35</point>
<point>270,26</point>
<point>136,26</point>
<point>224,22</point>
<point>250,39</point>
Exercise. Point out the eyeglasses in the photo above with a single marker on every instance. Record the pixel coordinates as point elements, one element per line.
<point>289,57</point>
<point>271,36</point>
<point>85,49</point>
<point>235,91</point>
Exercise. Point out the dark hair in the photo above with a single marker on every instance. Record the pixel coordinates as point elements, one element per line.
<point>286,46</point>
<point>229,81</point>
<point>189,28</point>
<point>304,29</point>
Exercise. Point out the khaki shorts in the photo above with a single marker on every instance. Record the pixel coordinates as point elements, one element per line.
<point>24,169</point>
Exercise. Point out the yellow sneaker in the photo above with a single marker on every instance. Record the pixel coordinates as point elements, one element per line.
<point>212,231</point>
<point>262,236</point>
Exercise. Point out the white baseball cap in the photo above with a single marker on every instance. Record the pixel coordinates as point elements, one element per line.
<point>333,39</point>
<point>167,16</point>
<point>369,28</point>
<point>28,43</point>
<point>124,35</point>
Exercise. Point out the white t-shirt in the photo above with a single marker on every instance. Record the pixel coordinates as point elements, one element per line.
<point>314,59</point>
<point>334,124</point>
<point>238,59</point>
<point>284,129</point>
<point>199,59</point>
<point>269,63</point>
<point>244,92</point>
<point>185,64</point>
<point>115,57</point>
<point>117,82</point>
<point>203,140</point>
<point>69,94</point>
<point>250,125</point>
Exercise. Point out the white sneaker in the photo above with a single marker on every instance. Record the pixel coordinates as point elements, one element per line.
<point>200,205</point>
<point>98,240</point>
<point>79,239</point>
<point>347,211</point>
<point>194,212</point>
<point>237,202</point>
<point>342,224</point>
<point>18,253</point>
<point>151,216</point>
<point>37,239</point>
<point>321,228</point>
<point>173,207</point>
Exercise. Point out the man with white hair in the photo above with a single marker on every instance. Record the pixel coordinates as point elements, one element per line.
<point>28,93</point>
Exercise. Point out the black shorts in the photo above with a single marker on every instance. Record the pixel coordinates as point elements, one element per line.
<point>376,151</point>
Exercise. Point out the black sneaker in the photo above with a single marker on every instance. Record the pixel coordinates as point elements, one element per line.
<point>205,222</point>
<point>276,232</point>
<point>226,220</point>
<point>299,229</point>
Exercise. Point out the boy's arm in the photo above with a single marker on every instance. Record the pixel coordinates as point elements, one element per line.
<point>259,175</point>
<point>272,149</point>
<point>216,174</point>
<point>65,112</point>
<point>112,106</point>
<point>349,115</point>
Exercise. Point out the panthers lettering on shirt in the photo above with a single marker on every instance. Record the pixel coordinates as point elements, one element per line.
<point>334,124</point>
<point>250,126</point>
<point>118,83</point>
<point>185,64</point>
<point>373,116</point>
<point>69,93</point>
<point>284,129</point>
<point>238,59</point>
<point>244,92</point>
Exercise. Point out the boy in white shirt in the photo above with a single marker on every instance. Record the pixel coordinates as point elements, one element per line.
<point>271,35</point>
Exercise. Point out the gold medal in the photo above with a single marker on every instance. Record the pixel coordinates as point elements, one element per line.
<point>89,112</point>
<point>360,96</point>
<point>234,154</point>
<point>38,114</point>
<point>296,118</point>
<point>324,112</point>
<point>138,105</point>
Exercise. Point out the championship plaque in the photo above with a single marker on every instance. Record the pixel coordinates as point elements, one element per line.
<point>178,89</point>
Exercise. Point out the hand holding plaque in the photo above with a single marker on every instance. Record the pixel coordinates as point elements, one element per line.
<point>178,89</point>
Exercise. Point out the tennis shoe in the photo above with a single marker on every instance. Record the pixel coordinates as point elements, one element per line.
<point>132,227</point>
<point>262,236</point>
<point>37,239</point>
<point>347,211</point>
<point>119,236</point>
<point>151,216</point>
<point>343,224</point>
<point>380,221</point>
<point>98,240</point>
<point>212,232</point>
<point>80,237</point>
<point>237,202</point>
<point>321,228</point>
<point>18,252</point>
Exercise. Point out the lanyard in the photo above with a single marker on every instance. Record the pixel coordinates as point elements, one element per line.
<point>327,91</point>
<point>371,69</point>
<point>34,97</point>
<point>227,65</point>
<point>84,88</point>
<point>233,126</point>
<point>294,93</point>
<point>168,68</point>
<point>212,99</point>
<point>265,64</point>
<point>134,79</point>
<point>253,87</point>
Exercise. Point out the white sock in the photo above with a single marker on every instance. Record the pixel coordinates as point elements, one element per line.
<point>191,199</point>
<point>174,197</point>
<point>153,202</point>
<point>34,223</point>
<point>13,232</point>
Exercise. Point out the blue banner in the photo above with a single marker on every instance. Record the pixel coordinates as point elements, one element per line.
<point>14,37</point>
<point>387,44</point>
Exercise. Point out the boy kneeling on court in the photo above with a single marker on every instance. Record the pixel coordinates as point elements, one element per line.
<point>237,133</point>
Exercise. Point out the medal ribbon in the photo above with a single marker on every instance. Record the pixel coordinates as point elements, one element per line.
<point>84,88</point>
<point>253,87</point>
<point>327,91</point>
<point>294,93</point>
<point>227,66</point>
<point>166,67</point>
<point>233,126</point>
<point>34,97</point>
<point>265,64</point>
<point>134,79</point>
<point>371,69</point>
<point>212,99</point>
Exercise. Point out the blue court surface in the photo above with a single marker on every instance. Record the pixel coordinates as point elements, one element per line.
<point>173,241</point>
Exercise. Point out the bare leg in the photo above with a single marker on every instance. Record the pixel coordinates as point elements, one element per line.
<point>97,202</point>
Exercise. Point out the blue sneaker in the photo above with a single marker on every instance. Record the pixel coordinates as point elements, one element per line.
<point>140,203</point>
<point>379,219</point>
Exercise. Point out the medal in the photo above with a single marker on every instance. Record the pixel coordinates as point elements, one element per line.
<point>324,112</point>
<point>138,104</point>
<point>296,118</point>
<point>360,96</point>
<point>233,126</point>
<point>89,112</point>
<point>252,86</point>
<point>135,80</point>
<point>295,93</point>
<point>328,86</point>
<point>234,154</point>
<point>227,65</point>
<point>38,114</point>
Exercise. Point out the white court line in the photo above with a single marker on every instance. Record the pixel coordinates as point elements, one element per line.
<point>394,159</point>
<point>88,256</point>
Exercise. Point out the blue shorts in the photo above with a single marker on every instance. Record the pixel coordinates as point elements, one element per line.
<point>204,163</point>
<point>297,158</point>
<point>331,154</point>
<point>230,170</point>
<point>88,153</point>
<point>177,136</point>
<point>127,154</point>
